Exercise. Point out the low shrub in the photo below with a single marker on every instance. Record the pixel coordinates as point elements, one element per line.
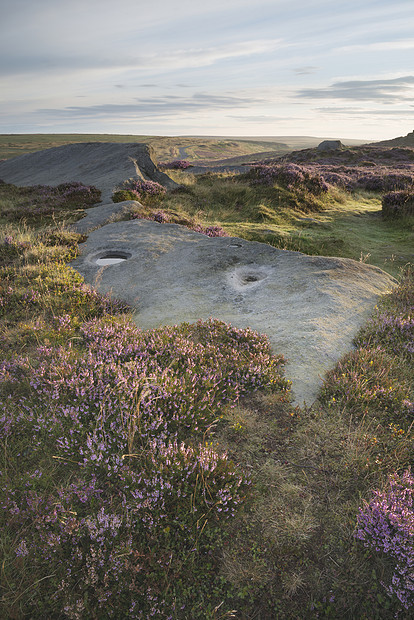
<point>364,382</point>
<point>45,200</point>
<point>125,194</point>
<point>138,493</point>
<point>164,218</point>
<point>290,176</point>
<point>147,191</point>
<point>398,203</point>
<point>177,164</point>
<point>386,182</point>
<point>386,525</point>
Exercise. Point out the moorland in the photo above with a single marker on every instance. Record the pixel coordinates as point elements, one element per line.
<point>165,473</point>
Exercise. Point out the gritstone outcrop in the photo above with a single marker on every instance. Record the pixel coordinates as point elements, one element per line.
<point>105,165</point>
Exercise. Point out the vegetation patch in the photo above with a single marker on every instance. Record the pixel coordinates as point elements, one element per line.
<point>398,204</point>
<point>164,473</point>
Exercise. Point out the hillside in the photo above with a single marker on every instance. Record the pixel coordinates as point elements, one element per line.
<point>407,140</point>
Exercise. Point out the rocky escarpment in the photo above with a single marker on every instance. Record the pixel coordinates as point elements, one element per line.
<point>105,165</point>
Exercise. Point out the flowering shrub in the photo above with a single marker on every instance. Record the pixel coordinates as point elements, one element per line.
<point>146,189</point>
<point>164,218</point>
<point>177,164</point>
<point>394,332</point>
<point>288,175</point>
<point>65,287</point>
<point>125,194</point>
<point>392,328</point>
<point>77,193</point>
<point>398,203</point>
<point>386,182</point>
<point>386,524</point>
<point>161,217</point>
<point>210,231</point>
<point>10,248</point>
<point>41,200</point>
<point>117,408</point>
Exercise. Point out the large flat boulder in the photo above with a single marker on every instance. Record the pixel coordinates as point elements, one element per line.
<point>106,165</point>
<point>310,307</point>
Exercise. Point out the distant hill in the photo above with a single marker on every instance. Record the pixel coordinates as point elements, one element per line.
<point>407,140</point>
<point>196,149</point>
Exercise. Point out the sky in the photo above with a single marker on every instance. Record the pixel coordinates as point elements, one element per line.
<point>328,68</point>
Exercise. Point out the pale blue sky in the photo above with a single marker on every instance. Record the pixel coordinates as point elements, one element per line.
<point>230,67</point>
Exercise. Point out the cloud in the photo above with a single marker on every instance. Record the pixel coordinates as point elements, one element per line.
<point>364,112</point>
<point>306,70</point>
<point>379,46</point>
<point>385,91</point>
<point>169,59</point>
<point>202,57</point>
<point>263,118</point>
<point>152,107</point>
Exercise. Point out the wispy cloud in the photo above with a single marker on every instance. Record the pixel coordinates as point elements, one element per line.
<point>399,112</point>
<point>169,59</point>
<point>202,57</point>
<point>306,70</point>
<point>386,91</point>
<point>379,46</point>
<point>262,118</point>
<point>153,107</point>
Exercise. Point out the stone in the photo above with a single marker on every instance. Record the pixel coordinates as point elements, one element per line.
<point>105,165</point>
<point>98,216</point>
<point>310,307</point>
<point>330,145</point>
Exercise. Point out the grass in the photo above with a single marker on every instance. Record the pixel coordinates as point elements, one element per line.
<point>165,473</point>
<point>337,223</point>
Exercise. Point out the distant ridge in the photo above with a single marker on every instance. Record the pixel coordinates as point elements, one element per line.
<point>407,140</point>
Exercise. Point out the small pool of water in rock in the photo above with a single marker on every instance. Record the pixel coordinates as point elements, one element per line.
<point>112,258</point>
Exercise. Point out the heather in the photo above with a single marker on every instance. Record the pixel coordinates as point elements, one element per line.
<point>288,175</point>
<point>164,473</point>
<point>46,201</point>
<point>149,192</point>
<point>176,164</point>
<point>124,414</point>
<point>386,524</point>
<point>398,203</point>
<point>109,484</point>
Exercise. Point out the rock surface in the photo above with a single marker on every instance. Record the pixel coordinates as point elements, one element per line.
<point>95,217</point>
<point>105,165</point>
<point>330,145</point>
<point>310,307</point>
